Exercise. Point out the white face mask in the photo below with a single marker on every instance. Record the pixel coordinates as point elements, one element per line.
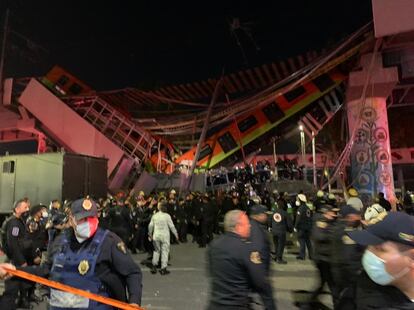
<point>82,232</point>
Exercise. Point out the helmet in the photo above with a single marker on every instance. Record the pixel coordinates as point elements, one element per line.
<point>331,197</point>
<point>353,192</point>
<point>141,193</point>
<point>173,191</point>
<point>320,194</point>
<point>302,198</point>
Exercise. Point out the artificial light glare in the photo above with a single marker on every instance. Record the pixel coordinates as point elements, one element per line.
<point>300,127</point>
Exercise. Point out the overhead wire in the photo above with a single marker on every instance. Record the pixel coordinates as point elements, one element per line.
<point>264,96</point>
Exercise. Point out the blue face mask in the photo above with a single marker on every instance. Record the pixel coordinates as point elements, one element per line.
<point>375,268</point>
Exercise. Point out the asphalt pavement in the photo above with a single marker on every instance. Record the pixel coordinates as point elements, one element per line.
<point>187,286</point>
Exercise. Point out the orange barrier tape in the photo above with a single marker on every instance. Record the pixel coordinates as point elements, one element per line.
<point>72,290</point>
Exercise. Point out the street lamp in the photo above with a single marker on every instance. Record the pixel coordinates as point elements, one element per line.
<point>314,159</point>
<point>303,150</point>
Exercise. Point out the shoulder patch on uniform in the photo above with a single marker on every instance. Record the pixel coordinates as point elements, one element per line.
<point>321,224</point>
<point>347,240</point>
<point>121,247</point>
<point>255,257</point>
<point>277,218</point>
<point>15,231</point>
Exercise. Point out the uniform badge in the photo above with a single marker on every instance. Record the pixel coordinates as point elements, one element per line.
<point>406,237</point>
<point>347,240</point>
<point>255,258</point>
<point>87,204</point>
<point>321,224</point>
<point>277,218</point>
<point>15,231</point>
<point>121,247</point>
<point>83,267</point>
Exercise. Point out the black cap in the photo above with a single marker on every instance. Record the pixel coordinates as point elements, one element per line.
<point>35,209</point>
<point>396,226</point>
<point>83,208</point>
<point>258,209</point>
<point>347,210</point>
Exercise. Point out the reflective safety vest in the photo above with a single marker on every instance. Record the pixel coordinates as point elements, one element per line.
<point>77,269</point>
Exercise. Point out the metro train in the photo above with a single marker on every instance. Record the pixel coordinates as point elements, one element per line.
<point>250,126</point>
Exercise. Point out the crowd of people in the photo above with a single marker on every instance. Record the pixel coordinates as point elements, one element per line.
<point>35,237</point>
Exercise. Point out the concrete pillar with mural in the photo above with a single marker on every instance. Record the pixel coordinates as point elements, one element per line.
<point>371,163</point>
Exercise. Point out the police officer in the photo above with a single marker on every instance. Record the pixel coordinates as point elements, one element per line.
<point>16,246</point>
<point>322,241</point>
<point>258,233</point>
<point>182,223</point>
<point>91,259</point>
<point>236,268</point>
<point>388,262</point>
<point>320,200</point>
<point>281,224</point>
<point>346,257</point>
<point>120,222</point>
<point>159,232</point>
<point>303,226</point>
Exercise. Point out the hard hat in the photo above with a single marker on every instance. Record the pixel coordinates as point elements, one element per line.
<point>141,193</point>
<point>331,196</point>
<point>173,191</point>
<point>256,199</point>
<point>353,192</point>
<point>320,194</point>
<point>275,192</point>
<point>302,198</point>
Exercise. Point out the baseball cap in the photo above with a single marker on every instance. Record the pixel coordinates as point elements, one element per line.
<point>396,226</point>
<point>83,208</point>
<point>347,210</point>
<point>258,209</point>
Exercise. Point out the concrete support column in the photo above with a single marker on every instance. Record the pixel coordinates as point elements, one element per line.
<point>371,163</point>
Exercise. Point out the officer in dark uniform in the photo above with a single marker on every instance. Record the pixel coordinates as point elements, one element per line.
<point>120,222</point>
<point>322,241</point>
<point>281,224</point>
<point>236,267</point>
<point>320,200</point>
<point>258,233</point>
<point>15,247</point>
<point>201,215</point>
<point>346,257</point>
<point>91,259</point>
<point>388,263</point>
<point>303,226</point>
<point>182,224</point>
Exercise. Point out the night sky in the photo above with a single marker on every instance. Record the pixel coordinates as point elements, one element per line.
<point>147,44</point>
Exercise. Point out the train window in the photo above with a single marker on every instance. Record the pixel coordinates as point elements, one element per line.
<point>323,82</point>
<point>273,112</point>
<point>247,123</point>
<point>227,142</point>
<point>295,93</point>
<point>62,80</point>
<point>75,89</point>
<point>205,151</point>
<point>8,166</point>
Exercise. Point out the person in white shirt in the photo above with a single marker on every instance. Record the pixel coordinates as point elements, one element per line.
<point>159,232</point>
